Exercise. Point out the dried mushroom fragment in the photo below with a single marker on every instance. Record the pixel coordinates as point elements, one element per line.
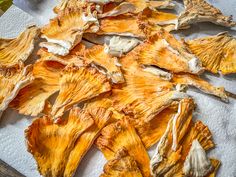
<point>122,8</point>
<point>158,18</point>
<point>11,81</point>
<point>18,49</point>
<point>122,165</point>
<point>73,57</point>
<point>66,30</point>
<point>118,45</point>
<point>175,144</point>
<point>196,81</point>
<point>51,144</point>
<point>123,25</point>
<point>164,51</point>
<point>201,11</point>
<point>106,63</point>
<point>121,134</point>
<point>216,164</point>
<point>78,84</point>
<point>217,53</point>
<point>145,94</point>
<point>66,4</point>
<point>31,100</point>
<point>100,117</point>
<point>197,163</point>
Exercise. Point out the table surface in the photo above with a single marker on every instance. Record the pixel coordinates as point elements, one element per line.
<point>219,116</point>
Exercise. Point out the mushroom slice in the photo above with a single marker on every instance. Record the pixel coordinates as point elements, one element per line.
<point>121,134</point>
<point>73,57</point>
<point>18,49</point>
<point>122,25</point>
<point>201,11</point>
<point>11,81</point>
<point>145,94</point>
<point>158,18</point>
<point>65,31</point>
<point>78,84</point>
<point>216,52</point>
<point>175,143</point>
<point>164,51</point>
<point>66,4</point>
<point>162,4</point>
<point>122,165</point>
<point>122,8</point>
<point>106,63</point>
<point>32,99</point>
<point>120,45</point>
<point>51,144</point>
<point>196,81</point>
<point>100,117</point>
<point>216,164</point>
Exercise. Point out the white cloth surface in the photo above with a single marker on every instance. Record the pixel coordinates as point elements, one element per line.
<point>219,116</point>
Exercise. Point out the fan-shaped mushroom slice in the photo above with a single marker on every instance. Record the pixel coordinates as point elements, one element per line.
<point>122,135</point>
<point>164,51</point>
<point>201,11</point>
<point>51,144</point>
<point>20,48</point>
<point>65,31</point>
<point>144,94</point>
<point>11,81</point>
<point>31,100</point>
<point>73,57</point>
<point>124,25</point>
<point>100,117</point>
<point>217,53</point>
<point>158,18</point>
<point>142,4</point>
<point>196,81</point>
<point>122,8</point>
<point>66,4</point>
<point>106,63</point>
<point>174,146</point>
<point>78,84</point>
<point>122,165</point>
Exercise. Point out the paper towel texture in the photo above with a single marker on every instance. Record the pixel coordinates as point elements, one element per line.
<point>219,116</point>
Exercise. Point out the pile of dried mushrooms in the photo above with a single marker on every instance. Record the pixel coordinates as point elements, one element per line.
<point>114,66</point>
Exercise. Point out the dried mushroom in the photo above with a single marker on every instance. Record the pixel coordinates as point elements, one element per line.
<point>18,49</point>
<point>100,117</point>
<point>164,51</point>
<point>105,63</point>
<point>66,30</point>
<point>11,81</point>
<point>201,11</point>
<point>175,144</point>
<point>78,84</point>
<point>122,165</point>
<point>217,53</point>
<point>32,99</point>
<point>51,144</point>
<point>196,81</point>
<point>121,134</point>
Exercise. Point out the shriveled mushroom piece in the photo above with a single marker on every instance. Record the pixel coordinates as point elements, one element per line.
<point>32,99</point>
<point>144,95</point>
<point>65,31</point>
<point>100,116</point>
<point>78,84</point>
<point>173,153</point>
<point>18,49</point>
<point>51,143</point>
<point>105,63</point>
<point>201,11</point>
<point>196,81</point>
<point>217,53</point>
<point>165,51</point>
<point>122,165</point>
<point>121,134</point>
<point>11,81</point>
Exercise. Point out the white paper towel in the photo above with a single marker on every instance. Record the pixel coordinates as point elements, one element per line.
<point>219,116</point>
